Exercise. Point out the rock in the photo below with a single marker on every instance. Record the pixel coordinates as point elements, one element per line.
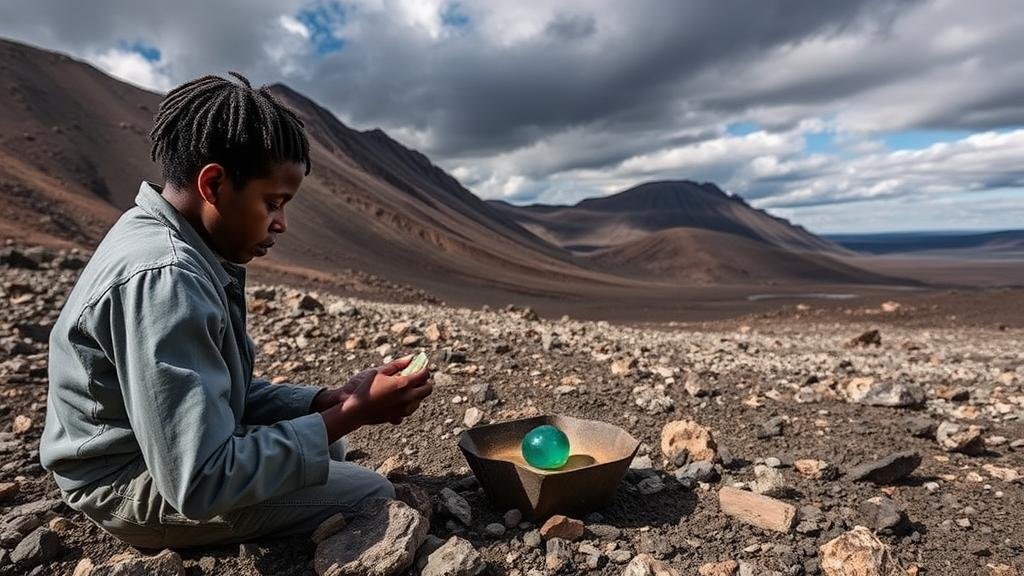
<point>647,565</point>
<point>694,472</point>
<point>883,516</point>
<point>433,333</point>
<point>562,527</point>
<point>9,490</point>
<point>512,518</point>
<point>650,485</point>
<point>14,258</point>
<point>306,302</point>
<point>1001,570</point>
<point>641,462</point>
<point>83,568</point>
<point>696,386</point>
<point>457,506</point>
<point>620,556</point>
<point>166,563</point>
<point>605,531</point>
<point>958,438</point>
<point>858,553</point>
<point>38,547</point>
<point>456,557</point>
<point>328,527</point>
<point>771,428</point>
<point>558,554</point>
<point>756,510</point>
<point>342,308</point>
<point>393,468</point>
<point>816,469</point>
<point>890,394</point>
<point>952,393</point>
<point>623,366</point>
<point>355,343</point>
<point>21,425</point>
<point>997,472</point>
<point>381,539</point>
<point>472,417</point>
<point>690,437</point>
<point>416,497</point>
<point>495,530</point>
<point>481,393</point>
<point>769,482</point>
<point>920,426</point>
<point>725,568</point>
<point>532,539</point>
<point>652,399</point>
<point>869,338</point>
<point>888,470</point>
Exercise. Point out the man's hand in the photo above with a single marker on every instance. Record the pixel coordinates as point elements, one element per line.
<point>384,397</point>
<point>334,396</point>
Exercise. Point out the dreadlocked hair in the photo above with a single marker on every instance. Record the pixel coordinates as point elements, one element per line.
<point>213,120</point>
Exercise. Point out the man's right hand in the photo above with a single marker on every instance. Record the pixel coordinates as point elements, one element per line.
<point>388,397</point>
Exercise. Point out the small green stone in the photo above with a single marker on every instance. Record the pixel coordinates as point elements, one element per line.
<point>546,447</point>
<point>418,362</point>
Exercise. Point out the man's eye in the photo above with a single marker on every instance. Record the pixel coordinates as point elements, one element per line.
<point>273,206</point>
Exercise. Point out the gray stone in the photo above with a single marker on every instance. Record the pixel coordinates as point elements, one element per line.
<point>457,506</point>
<point>920,426</point>
<point>772,428</point>
<point>36,548</point>
<point>885,393</point>
<point>456,557</point>
<point>646,565</point>
<point>532,539</point>
<point>884,516</point>
<point>769,482</point>
<point>888,470</point>
<point>495,530</point>
<point>512,518</point>
<point>381,539</point>
<point>699,471</point>
<point>650,485</point>
<point>605,531</point>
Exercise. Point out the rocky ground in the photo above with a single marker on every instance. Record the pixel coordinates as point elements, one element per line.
<point>913,431</point>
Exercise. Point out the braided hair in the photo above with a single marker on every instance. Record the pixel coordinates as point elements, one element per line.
<point>211,119</point>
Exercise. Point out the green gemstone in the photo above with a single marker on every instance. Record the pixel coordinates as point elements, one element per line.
<point>546,447</point>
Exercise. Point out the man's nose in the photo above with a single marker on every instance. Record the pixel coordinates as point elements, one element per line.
<point>280,224</point>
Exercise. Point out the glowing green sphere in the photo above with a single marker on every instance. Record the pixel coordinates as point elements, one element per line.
<point>546,447</point>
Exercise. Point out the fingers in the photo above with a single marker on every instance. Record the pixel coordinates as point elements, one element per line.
<point>396,366</point>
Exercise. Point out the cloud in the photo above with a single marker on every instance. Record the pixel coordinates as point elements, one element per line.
<point>133,67</point>
<point>537,101</point>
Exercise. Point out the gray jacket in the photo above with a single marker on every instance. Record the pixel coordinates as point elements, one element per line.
<point>150,359</point>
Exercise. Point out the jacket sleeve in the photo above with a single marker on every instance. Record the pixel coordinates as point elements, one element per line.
<point>267,403</point>
<point>165,329</point>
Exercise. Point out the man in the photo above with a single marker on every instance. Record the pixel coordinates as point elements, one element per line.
<point>155,428</point>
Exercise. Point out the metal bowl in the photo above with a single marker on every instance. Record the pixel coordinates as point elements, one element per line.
<point>600,454</point>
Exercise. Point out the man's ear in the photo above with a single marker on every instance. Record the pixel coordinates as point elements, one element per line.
<point>210,182</point>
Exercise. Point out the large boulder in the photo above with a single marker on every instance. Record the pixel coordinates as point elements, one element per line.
<point>381,539</point>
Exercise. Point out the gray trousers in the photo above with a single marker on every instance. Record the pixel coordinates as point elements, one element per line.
<point>130,508</point>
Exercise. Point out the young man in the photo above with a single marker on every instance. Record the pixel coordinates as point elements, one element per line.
<point>155,428</point>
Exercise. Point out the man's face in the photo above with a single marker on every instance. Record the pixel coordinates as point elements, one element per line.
<point>244,223</point>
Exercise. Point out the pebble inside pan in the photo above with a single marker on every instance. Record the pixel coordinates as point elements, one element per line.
<point>600,454</point>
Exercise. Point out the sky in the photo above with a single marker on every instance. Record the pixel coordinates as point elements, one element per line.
<point>841,115</point>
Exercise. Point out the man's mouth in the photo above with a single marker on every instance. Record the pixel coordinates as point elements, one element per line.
<point>264,247</point>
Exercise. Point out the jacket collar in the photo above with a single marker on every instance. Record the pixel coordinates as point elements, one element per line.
<point>153,203</point>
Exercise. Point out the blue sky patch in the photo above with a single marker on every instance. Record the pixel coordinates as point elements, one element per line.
<point>322,20</point>
<point>452,15</point>
<point>742,128</point>
<point>147,51</point>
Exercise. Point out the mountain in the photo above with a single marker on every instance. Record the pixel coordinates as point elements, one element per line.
<point>74,146</point>
<point>655,206</point>
<point>706,257</point>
